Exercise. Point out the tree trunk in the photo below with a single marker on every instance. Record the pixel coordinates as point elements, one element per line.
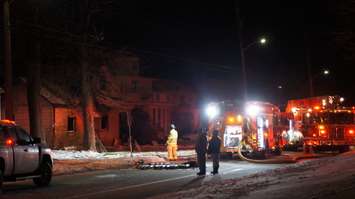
<point>9,109</point>
<point>33,94</point>
<point>88,105</point>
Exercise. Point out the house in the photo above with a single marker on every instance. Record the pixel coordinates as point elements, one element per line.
<point>124,101</point>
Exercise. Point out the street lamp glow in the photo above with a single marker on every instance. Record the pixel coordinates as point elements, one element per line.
<point>326,72</point>
<point>212,111</point>
<point>263,40</point>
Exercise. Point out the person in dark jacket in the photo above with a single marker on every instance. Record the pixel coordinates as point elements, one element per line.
<point>214,146</point>
<point>201,149</point>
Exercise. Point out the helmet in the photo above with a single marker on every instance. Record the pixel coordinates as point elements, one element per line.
<point>172,126</point>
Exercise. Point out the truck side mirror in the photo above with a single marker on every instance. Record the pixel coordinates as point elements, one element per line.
<point>36,140</point>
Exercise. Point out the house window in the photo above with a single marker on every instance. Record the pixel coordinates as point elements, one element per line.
<point>104,122</point>
<point>71,124</point>
<point>154,116</point>
<point>134,85</point>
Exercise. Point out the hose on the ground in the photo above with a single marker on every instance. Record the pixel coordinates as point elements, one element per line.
<point>267,161</point>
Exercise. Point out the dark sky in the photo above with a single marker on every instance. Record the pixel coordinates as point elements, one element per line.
<point>197,42</point>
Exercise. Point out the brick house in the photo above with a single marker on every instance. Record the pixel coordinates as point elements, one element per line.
<point>122,97</point>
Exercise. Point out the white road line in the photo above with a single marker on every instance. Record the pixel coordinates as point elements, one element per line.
<point>140,185</point>
<point>231,171</point>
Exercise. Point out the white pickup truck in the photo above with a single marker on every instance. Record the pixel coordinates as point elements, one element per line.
<point>23,157</point>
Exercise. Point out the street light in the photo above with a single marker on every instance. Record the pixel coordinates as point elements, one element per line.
<point>326,72</point>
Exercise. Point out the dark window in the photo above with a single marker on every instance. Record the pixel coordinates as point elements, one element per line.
<point>159,117</point>
<point>134,85</point>
<point>104,122</point>
<point>71,124</point>
<point>154,116</point>
<point>23,136</point>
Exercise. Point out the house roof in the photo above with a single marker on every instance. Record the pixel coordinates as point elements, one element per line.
<point>53,99</point>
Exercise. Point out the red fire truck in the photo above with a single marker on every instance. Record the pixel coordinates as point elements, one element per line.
<point>324,122</point>
<point>255,124</point>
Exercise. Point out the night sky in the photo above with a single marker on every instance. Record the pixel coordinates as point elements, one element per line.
<point>197,41</point>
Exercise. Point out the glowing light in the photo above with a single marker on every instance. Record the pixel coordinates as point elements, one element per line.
<point>8,122</point>
<point>263,40</point>
<point>212,111</point>
<point>321,127</point>
<point>322,132</point>
<point>342,99</point>
<point>326,72</point>
<point>294,109</point>
<point>317,108</point>
<point>351,132</point>
<point>231,119</point>
<point>239,118</point>
<point>9,142</point>
<point>324,102</point>
<point>308,115</point>
<point>309,110</point>
<point>253,110</point>
<point>314,135</point>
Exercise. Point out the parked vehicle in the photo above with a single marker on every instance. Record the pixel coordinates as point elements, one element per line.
<point>324,122</point>
<point>23,157</point>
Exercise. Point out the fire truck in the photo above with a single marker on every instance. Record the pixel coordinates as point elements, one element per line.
<point>325,123</point>
<point>255,126</point>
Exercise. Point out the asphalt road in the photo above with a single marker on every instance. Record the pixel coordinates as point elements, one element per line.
<point>129,183</point>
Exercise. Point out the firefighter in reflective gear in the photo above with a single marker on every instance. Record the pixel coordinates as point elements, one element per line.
<point>172,143</point>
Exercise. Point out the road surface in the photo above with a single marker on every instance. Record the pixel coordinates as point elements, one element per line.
<point>129,183</point>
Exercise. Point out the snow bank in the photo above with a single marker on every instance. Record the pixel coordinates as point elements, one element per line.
<point>87,155</point>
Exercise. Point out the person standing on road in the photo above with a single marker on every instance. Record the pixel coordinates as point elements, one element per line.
<point>214,146</point>
<point>201,149</point>
<point>172,143</point>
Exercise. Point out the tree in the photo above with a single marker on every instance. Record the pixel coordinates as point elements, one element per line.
<point>87,102</point>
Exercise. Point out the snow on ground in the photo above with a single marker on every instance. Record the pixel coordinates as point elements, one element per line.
<point>69,161</point>
<point>84,155</point>
<point>332,177</point>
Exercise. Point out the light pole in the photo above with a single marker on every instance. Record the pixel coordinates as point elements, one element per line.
<point>243,49</point>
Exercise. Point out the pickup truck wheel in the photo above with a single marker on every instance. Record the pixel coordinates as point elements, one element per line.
<point>45,172</point>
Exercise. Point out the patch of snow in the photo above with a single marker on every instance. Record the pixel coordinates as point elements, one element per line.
<point>87,155</point>
<point>331,177</point>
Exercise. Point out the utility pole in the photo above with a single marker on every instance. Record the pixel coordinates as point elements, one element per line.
<point>241,48</point>
<point>309,66</point>
<point>9,109</point>
<point>34,82</point>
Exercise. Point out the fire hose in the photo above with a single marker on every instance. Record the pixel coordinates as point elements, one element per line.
<point>285,160</point>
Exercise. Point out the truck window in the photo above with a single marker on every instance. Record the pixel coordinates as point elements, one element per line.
<point>2,135</point>
<point>23,135</point>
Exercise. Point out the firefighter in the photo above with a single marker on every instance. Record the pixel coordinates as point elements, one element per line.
<point>214,146</point>
<point>172,143</point>
<point>201,149</point>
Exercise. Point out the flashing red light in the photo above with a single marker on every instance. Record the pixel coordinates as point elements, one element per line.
<point>314,135</point>
<point>9,142</point>
<point>351,132</point>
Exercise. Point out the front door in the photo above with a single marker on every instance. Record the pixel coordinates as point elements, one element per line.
<point>26,153</point>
